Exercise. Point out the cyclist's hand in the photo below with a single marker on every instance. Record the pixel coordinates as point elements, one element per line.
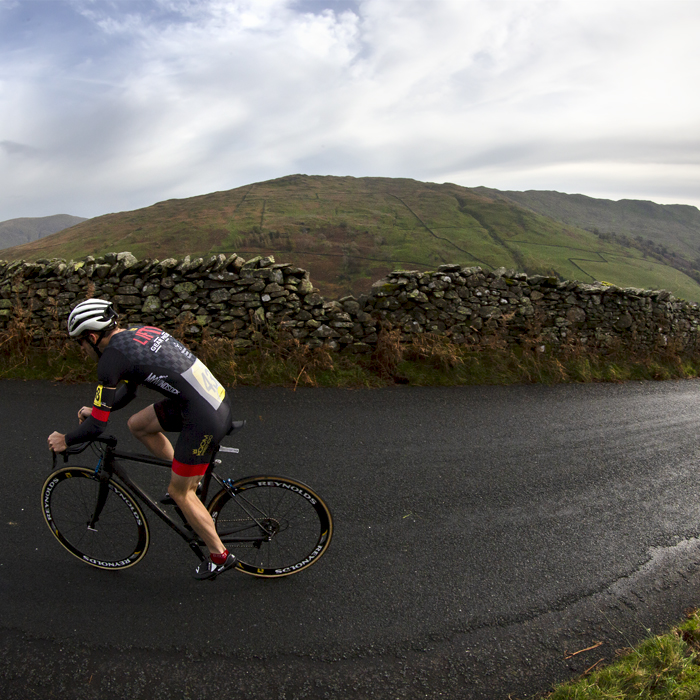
<point>57,442</point>
<point>84,413</point>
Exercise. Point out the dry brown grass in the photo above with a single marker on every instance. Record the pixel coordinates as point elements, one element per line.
<point>17,337</point>
<point>388,353</point>
<point>436,350</point>
<point>276,358</point>
<point>26,355</point>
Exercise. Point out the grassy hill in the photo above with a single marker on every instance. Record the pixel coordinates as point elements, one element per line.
<point>350,231</point>
<point>14,232</point>
<point>668,232</point>
<point>676,226</point>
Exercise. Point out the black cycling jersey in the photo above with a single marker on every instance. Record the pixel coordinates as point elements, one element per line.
<point>149,356</point>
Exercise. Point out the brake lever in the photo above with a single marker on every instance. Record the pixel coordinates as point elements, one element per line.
<point>77,449</point>
<point>54,457</point>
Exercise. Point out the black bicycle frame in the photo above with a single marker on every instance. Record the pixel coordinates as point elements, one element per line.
<point>109,466</point>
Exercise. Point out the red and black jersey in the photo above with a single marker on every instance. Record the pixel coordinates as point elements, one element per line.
<point>148,356</point>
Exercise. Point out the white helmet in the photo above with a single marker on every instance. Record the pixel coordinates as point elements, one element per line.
<point>92,315</point>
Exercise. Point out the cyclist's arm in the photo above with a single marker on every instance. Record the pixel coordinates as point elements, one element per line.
<point>125,394</point>
<point>109,371</point>
<point>94,425</point>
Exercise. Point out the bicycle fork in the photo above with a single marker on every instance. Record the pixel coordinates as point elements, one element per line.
<point>103,471</point>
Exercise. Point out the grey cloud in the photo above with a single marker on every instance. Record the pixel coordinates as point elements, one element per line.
<point>18,149</point>
<point>540,153</point>
<point>318,6</point>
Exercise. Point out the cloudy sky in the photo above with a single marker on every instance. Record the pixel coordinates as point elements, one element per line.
<point>111,105</point>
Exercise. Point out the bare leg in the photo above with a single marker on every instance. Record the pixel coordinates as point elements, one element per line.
<point>144,425</point>
<point>183,490</point>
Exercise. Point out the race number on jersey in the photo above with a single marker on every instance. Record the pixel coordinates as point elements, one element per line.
<point>205,383</point>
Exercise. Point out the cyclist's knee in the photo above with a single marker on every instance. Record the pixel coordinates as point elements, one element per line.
<point>181,487</point>
<point>134,425</point>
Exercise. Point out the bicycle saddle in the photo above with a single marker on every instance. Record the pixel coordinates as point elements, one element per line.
<point>236,425</point>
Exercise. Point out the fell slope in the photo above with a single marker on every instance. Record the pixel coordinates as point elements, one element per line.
<point>350,231</point>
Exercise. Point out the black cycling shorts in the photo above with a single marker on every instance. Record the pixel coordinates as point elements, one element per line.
<point>199,435</point>
<point>169,415</point>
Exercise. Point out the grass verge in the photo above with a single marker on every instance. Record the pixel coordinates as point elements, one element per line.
<point>665,666</point>
<point>425,361</point>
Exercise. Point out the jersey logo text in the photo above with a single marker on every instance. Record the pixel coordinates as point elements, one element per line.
<point>160,382</point>
<point>206,441</point>
<point>147,334</point>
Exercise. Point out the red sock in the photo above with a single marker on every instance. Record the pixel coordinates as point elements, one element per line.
<point>219,559</point>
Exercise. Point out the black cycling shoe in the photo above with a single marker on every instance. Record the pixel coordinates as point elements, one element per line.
<point>207,569</point>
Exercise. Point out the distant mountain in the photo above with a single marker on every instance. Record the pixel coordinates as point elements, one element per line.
<point>349,232</point>
<point>675,226</point>
<point>15,232</point>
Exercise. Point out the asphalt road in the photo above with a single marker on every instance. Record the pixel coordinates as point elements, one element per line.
<point>482,535</point>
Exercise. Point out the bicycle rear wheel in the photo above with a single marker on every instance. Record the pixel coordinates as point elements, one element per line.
<point>275,526</point>
<point>120,538</point>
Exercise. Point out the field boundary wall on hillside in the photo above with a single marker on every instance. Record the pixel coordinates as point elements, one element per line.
<point>247,300</point>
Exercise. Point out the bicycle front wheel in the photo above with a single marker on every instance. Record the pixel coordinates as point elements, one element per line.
<point>275,526</point>
<point>120,538</point>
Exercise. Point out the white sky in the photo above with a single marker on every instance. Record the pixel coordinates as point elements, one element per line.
<point>111,105</point>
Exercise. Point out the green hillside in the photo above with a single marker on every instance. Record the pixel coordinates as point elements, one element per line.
<point>674,225</point>
<point>669,232</point>
<point>350,231</point>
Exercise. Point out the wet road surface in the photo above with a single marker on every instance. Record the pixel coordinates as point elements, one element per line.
<point>483,534</point>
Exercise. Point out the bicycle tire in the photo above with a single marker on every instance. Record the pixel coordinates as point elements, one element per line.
<point>121,536</point>
<point>299,523</point>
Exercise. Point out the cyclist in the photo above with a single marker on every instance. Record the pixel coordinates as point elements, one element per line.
<point>195,405</point>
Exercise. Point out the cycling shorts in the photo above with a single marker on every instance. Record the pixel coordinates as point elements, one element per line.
<point>199,436</point>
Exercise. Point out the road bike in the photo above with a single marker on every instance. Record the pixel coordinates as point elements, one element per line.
<point>275,526</point>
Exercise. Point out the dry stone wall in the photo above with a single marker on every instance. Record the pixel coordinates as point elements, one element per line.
<point>244,300</point>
